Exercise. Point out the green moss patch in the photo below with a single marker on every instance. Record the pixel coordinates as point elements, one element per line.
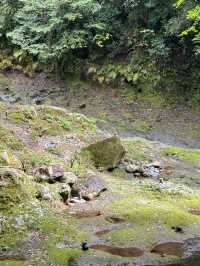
<point>138,150</point>
<point>15,189</point>
<point>51,121</point>
<point>3,82</point>
<point>139,235</point>
<point>58,229</point>
<point>155,99</point>
<point>8,140</point>
<point>150,213</point>
<point>142,126</point>
<point>12,263</point>
<point>31,159</point>
<point>147,205</point>
<point>190,155</point>
<point>153,212</point>
<point>63,256</point>
<point>22,114</point>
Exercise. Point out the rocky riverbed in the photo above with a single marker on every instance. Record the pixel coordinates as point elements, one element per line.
<point>66,178</point>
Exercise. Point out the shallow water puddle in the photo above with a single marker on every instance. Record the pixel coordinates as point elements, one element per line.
<point>115,219</point>
<point>103,232</point>
<point>123,252</point>
<point>12,258</point>
<point>169,248</point>
<point>85,214</point>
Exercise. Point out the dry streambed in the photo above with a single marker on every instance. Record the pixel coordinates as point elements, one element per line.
<point>63,181</point>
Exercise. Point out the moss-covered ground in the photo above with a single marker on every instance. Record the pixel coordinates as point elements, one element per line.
<point>190,155</point>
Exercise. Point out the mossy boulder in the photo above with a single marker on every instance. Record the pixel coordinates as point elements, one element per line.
<point>8,159</point>
<point>106,153</point>
<point>15,187</point>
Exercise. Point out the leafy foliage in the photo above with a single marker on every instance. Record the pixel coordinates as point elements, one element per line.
<point>52,30</point>
<point>191,11</point>
<point>78,36</point>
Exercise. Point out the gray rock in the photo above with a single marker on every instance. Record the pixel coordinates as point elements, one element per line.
<point>45,194</point>
<point>8,176</point>
<point>132,166</point>
<point>9,99</point>
<point>2,223</point>
<point>192,248</point>
<point>89,187</point>
<point>65,192</point>
<point>69,178</point>
<point>42,173</point>
<point>50,174</point>
<point>19,220</point>
<point>151,171</point>
<point>38,100</point>
<point>76,200</point>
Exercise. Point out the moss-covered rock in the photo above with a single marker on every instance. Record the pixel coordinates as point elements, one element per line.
<point>8,159</point>
<point>15,188</point>
<point>106,153</point>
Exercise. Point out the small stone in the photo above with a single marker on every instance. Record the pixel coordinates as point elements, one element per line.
<point>65,192</point>
<point>38,100</point>
<point>19,220</point>
<point>77,200</point>
<point>151,171</point>
<point>177,229</point>
<point>82,106</point>
<point>45,194</point>
<point>84,245</point>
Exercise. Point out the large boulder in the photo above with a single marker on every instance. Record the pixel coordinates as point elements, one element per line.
<point>106,153</point>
